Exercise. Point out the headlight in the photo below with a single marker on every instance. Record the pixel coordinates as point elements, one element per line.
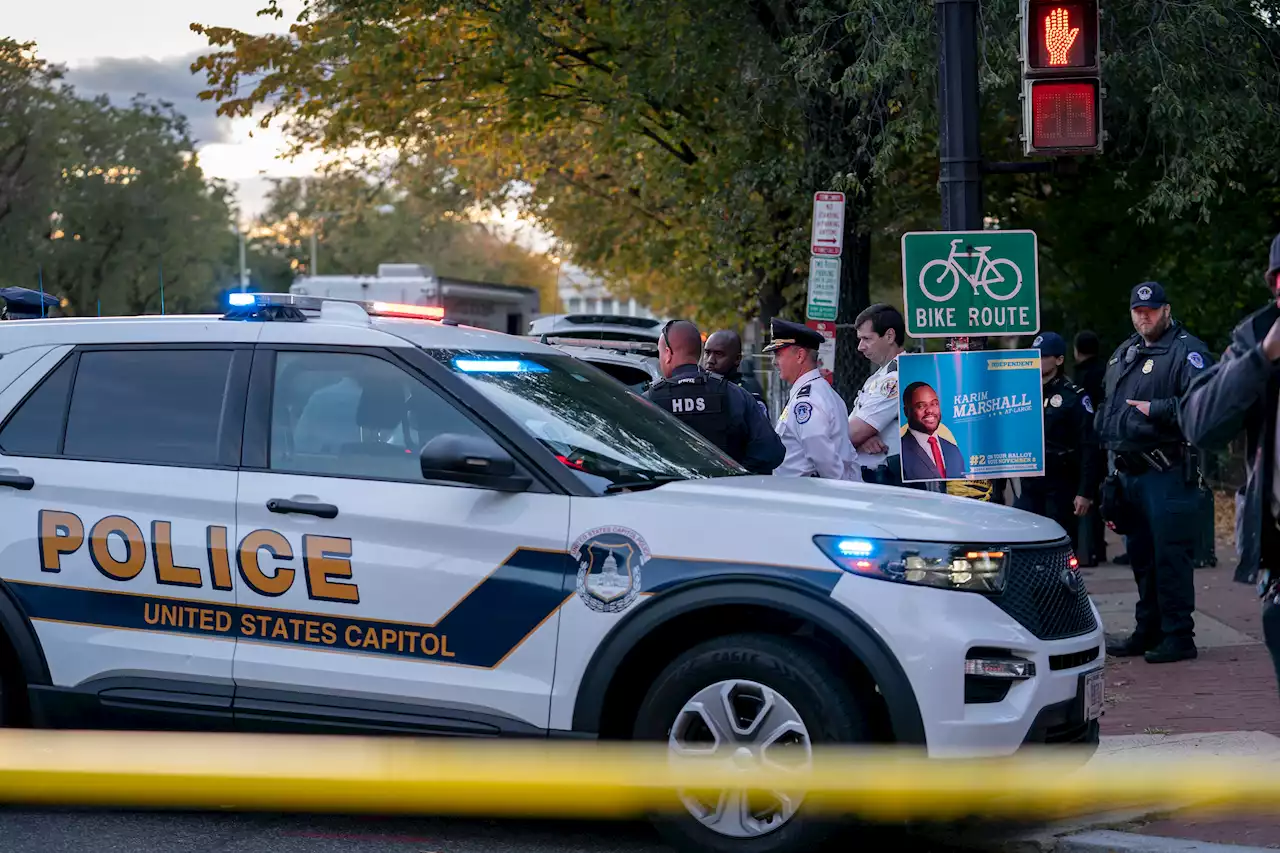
<point>936,564</point>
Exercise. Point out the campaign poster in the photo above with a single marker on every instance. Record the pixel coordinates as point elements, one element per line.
<point>971,415</point>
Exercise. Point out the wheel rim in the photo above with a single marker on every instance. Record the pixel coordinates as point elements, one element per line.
<point>746,725</point>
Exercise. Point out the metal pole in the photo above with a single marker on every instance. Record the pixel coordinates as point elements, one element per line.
<point>244,274</point>
<point>960,150</point>
<point>312,270</point>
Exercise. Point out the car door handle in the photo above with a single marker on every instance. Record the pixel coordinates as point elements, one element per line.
<point>283,505</point>
<point>17,481</point>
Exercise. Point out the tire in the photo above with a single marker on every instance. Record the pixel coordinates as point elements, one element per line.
<point>752,665</point>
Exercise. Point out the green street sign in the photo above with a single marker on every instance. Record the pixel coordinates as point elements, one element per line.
<point>824,289</point>
<point>970,283</point>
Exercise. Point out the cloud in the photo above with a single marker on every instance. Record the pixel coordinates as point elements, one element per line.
<point>169,79</point>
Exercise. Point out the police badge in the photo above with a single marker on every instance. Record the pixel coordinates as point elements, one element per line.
<point>609,563</point>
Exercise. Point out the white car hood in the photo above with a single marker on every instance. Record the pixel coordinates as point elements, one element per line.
<point>850,509</point>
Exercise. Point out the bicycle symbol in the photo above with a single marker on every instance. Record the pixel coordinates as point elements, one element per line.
<point>985,276</point>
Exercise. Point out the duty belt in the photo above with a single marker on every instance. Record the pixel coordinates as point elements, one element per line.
<point>1142,461</point>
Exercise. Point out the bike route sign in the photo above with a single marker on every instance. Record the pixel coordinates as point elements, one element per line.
<point>975,283</point>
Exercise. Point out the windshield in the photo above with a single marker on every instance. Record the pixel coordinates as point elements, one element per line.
<point>592,422</point>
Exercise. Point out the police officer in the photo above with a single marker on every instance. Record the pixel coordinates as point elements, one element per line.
<point>814,425</point>
<point>722,354</point>
<point>720,411</point>
<point>1150,494</point>
<point>1072,464</point>
<point>873,423</point>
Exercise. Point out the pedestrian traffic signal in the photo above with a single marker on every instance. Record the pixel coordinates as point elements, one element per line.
<point>1061,77</point>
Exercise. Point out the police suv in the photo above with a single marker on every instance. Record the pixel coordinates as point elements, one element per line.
<point>339,517</point>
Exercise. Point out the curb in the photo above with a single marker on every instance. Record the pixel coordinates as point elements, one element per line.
<point>1107,841</point>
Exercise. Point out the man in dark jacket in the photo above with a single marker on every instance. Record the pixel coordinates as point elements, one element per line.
<point>1241,392</point>
<point>1073,461</point>
<point>721,412</point>
<point>722,354</point>
<point>1152,499</point>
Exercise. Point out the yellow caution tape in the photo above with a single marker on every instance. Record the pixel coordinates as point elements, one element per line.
<point>536,778</point>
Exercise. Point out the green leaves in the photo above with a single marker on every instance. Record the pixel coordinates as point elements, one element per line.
<point>104,201</point>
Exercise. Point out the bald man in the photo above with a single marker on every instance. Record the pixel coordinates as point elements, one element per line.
<point>722,354</point>
<point>721,412</point>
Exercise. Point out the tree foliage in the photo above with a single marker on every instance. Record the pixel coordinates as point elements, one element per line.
<point>675,145</point>
<point>101,204</point>
<point>411,213</point>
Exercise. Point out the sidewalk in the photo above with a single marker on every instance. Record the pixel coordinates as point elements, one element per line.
<point>1231,687</point>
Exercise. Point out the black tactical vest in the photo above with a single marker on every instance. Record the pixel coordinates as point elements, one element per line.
<point>702,402</point>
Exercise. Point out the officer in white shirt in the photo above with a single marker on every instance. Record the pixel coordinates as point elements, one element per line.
<point>873,423</point>
<point>814,425</point>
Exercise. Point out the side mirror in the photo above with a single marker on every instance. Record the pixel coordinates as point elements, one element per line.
<point>473,460</point>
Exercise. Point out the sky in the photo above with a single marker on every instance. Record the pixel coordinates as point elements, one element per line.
<point>125,47</point>
<point>146,46</point>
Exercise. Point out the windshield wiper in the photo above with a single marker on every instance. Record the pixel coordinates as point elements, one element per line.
<point>653,483</point>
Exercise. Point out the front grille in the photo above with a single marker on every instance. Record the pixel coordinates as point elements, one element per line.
<point>1073,660</point>
<point>1035,595</point>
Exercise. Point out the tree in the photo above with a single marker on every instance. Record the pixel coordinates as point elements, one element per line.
<point>106,202</point>
<point>677,144</point>
<point>32,142</point>
<point>412,213</point>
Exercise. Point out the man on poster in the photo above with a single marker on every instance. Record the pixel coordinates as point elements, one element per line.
<point>925,454</point>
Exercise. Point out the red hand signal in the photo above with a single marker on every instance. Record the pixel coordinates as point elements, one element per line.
<point>1059,36</point>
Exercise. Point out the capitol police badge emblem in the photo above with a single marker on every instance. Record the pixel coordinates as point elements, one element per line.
<point>803,412</point>
<point>1144,292</point>
<point>609,564</point>
<point>1055,400</point>
<point>1196,359</point>
<point>1151,363</point>
<point>1037,342</point>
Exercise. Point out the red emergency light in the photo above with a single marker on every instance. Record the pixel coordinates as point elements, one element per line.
<point>395,309</point>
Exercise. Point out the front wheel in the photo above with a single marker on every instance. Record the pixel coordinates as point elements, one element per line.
<point>753,699</point>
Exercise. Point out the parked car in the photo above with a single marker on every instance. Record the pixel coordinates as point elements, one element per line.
<point>600,327</point>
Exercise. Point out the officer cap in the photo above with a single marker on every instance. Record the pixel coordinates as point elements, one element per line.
<point>1050,344</point>
<point>784,333</point>
<point>1149,294</point>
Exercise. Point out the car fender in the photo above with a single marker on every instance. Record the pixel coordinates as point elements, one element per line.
<point>786,597</point>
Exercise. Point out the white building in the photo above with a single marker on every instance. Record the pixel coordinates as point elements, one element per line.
<point>583,293</point>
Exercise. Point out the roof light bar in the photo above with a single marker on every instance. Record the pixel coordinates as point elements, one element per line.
<point>244,305</point>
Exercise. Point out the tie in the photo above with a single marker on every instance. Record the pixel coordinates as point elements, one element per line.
<point>937,456</point>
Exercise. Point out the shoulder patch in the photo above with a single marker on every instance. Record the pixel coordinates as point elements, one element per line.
<point>1196,359</point>
<point>890,387</point>
<point>803,392</point>
<point>1087,403</point>
<point>804,411</point>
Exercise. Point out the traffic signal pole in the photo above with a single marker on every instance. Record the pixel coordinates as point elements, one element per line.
<point>960,149</point>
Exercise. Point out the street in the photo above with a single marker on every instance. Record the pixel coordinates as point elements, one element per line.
<point>39,831</point>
